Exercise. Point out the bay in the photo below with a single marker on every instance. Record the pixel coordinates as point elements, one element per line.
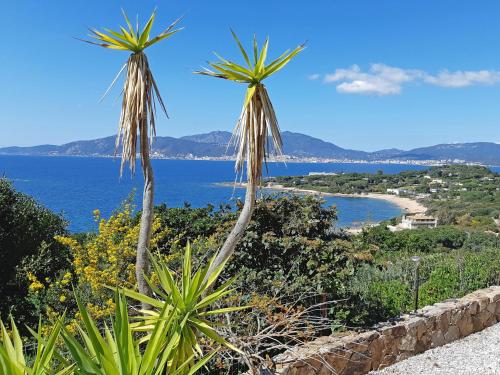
<point>75,186</point>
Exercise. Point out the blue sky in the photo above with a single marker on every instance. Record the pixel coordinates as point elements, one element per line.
<point>375,74</point>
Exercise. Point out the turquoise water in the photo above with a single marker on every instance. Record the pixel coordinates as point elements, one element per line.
<point>76,186</point>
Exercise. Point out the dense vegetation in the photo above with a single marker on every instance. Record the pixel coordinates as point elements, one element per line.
<point>468,196</point>
<point>290,266</point>
<point>27,232</point>
<point>453,263</point>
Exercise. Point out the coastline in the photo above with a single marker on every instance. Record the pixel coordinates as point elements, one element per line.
<point>312,160</point>
<point>319,161</point>
<point>408,205</point>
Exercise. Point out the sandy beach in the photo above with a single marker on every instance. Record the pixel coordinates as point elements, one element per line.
<point>407,204</point>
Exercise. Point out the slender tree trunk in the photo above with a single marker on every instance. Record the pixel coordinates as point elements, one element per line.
<point>238,230</point>
<point>142,264</point>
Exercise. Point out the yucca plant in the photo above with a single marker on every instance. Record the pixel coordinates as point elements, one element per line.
<point>13,361</point>
<point>190,297</point>
<point>137,118</point>
<point>257,122</point>
<point>117,352</point>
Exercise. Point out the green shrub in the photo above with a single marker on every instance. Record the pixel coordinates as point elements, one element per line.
<point>458,275</point>
<point>188,223</point>
<point>386,290</point>
<point>376,293</point>
<point>394,296</point>
<point>290,246</point>
<point>416,241</point>
<point>443,283</point>
<point>27,244</point>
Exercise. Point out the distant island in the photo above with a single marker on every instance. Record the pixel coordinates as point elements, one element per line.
<point>297,147</point>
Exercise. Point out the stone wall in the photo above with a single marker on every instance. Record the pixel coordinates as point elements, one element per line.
<point>389,343</point>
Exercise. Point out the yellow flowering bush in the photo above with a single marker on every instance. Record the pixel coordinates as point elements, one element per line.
<point>35,284</point>
<point>106,258</point>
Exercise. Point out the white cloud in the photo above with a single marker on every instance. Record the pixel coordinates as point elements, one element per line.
<point>463,79</point>
<point>369,86</point>
<point>380,80</point>
<point>383,79</point>
<point>314,77</point>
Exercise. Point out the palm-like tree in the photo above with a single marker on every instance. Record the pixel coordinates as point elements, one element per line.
<point>257,122</point>
<point>137,118</point>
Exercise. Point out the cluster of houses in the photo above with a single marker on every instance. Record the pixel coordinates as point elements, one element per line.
<point>435,186</point>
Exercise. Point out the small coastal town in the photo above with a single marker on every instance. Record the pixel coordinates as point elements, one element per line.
<point>296,159</point>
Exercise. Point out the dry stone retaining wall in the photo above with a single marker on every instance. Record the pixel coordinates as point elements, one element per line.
<point>389,343</point>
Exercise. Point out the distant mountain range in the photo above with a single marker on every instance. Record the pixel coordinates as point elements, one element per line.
<point>296,145</point>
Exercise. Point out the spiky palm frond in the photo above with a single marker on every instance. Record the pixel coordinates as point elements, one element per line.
<point>257,119</point>
<point>117,351</point>
<point>130,39</point>
<point>13,361</point>
<point>191,297</point>
<point>140,91</point>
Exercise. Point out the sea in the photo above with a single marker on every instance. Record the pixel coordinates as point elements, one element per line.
<point>76,186</point>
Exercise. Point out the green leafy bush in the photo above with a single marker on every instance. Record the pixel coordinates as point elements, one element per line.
<point>188,223</point>
<point>27,244</point>
<point>290,246</point>
<point>460,274</point>
<point>417,240</point>
<point>386,290</point>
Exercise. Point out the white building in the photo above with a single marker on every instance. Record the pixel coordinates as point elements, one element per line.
<point>322,174</point>
<point>418,221</point>
<point>437,181</point>
<point>393,191</point>
<point>400,191</point>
